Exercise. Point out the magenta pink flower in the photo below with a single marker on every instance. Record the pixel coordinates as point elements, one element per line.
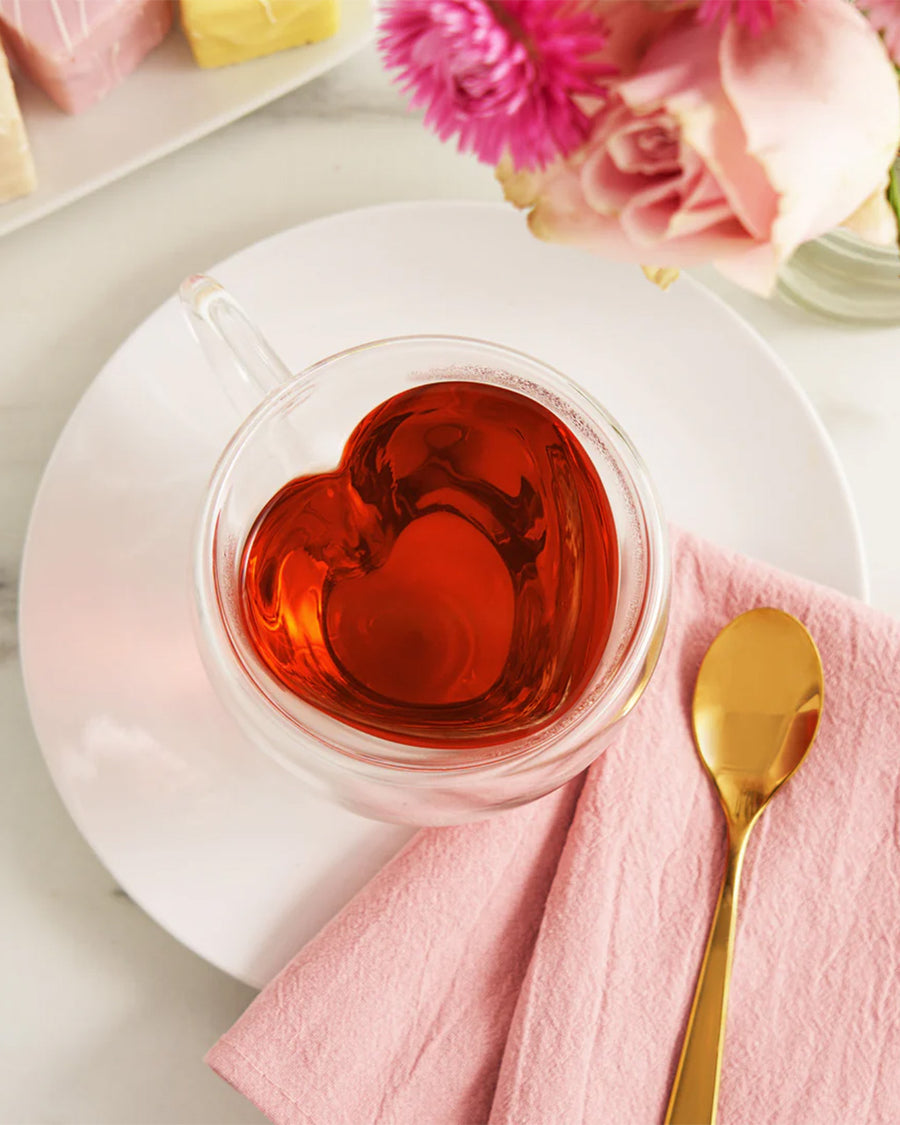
<point>755,15</point>
<point>505,77</point>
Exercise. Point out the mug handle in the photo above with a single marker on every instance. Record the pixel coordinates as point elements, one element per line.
<point>240,355</point>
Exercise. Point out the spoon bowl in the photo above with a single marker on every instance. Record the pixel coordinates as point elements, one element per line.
<point>757,706</point>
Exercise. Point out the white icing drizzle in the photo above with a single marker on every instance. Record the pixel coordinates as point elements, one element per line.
<point>268,9</point>
<point>82,11</point>
<point>61,25</point>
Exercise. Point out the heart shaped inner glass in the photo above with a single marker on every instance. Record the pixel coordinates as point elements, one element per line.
<point>453,581</point>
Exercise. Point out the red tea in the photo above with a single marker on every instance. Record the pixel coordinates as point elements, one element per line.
<point>453,581</point>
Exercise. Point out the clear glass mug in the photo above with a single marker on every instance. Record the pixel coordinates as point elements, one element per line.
<point>298,425</point>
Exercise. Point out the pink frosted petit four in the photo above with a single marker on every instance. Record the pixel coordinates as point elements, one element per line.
<point>79,50</point>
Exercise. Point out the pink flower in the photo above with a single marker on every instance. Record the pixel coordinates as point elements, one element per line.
<point>505,77</point>
<point>728,147</point>
<point>884,16</point>
<point>755,15</point>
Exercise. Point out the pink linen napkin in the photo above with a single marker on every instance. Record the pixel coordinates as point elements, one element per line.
<point>537,968</point>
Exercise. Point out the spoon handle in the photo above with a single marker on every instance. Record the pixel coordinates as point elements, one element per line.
<point>695,1091</point>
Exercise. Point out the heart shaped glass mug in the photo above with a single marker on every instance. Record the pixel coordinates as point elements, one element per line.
<point>298,426</point>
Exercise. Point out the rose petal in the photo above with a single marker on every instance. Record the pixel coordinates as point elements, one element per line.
<point>607,189</point>
<point>562,215</point>
<point>663,276</point>
<point>521,187</point>
<point>754,269</point>
<point>703,207</point>
<point>825,152</point>
<point>875,220</point>
<point>648,218</point>
<point>646,145</point>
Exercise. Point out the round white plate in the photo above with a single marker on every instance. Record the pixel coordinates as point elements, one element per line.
<point>224,849</point>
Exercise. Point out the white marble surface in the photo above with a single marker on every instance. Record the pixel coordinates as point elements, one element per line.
<point>106,1017</point>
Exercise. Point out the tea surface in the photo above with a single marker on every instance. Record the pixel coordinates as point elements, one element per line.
<point>453,581</point>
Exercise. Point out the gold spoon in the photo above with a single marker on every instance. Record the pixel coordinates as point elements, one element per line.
<point>756,711</point>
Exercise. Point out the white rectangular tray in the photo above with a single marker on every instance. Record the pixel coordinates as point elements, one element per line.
<point>168,102</point>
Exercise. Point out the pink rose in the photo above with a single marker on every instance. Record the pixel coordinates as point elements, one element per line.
<point>727,146</point>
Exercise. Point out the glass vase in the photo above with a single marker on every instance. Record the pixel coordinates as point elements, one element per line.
<point>846,278</point>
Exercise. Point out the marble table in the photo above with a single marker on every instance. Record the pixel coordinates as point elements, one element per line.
<point>106,1017</point>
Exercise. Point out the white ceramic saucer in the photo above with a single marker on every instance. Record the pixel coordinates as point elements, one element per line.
<point>225,850</point>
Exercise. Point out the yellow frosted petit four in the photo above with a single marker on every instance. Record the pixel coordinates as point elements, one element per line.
<point>222,32</point>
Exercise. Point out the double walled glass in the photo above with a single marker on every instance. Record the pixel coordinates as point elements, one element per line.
<point>301,428</point>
